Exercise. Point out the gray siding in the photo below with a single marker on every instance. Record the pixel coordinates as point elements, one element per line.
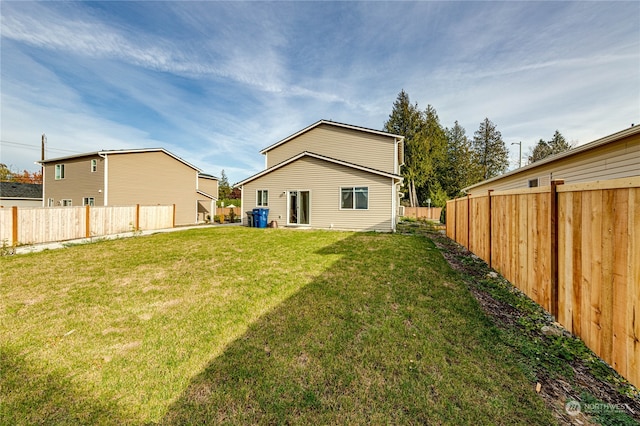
<point>324,180</point>
<point>79,181</point>
<point>353,146</point>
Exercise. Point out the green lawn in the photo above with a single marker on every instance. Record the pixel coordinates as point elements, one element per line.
<point>244,325</point>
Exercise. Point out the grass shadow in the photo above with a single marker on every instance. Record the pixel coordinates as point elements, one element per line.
<point>388,334</point>
<point>47,398</point>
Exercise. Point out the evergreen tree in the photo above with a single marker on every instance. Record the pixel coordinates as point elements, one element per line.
<point>435,146</point>
<point>489,150</point>
<point>460,170</point>
<point>406,120</point>
<point>224,188</point>
<point>544,149</point>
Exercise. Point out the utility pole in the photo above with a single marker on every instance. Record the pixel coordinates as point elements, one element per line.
<point>44,139</point>
<point>520,154</point>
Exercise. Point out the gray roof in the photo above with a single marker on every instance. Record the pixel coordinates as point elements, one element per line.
<point>20,190</point>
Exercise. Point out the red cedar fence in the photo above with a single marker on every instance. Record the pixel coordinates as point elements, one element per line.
<point>574,249</point>
<point>42,225</point>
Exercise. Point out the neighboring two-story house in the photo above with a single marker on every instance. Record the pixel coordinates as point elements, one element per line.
<point>330,175</point>
<point>127,177</point>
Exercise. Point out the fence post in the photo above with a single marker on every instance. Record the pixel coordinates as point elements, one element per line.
<point>490,230</point>
<point>137,217</point>
<point>553,223</point>
<point>455,220</point>
<point>87,221</point>
<point>469,222</point>
<point>174,217</point>
<point>14,225</point>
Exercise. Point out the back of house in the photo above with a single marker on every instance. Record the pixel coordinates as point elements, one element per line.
<point>330,175</point>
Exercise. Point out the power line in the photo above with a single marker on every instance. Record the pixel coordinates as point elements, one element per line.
<point>27,145</point>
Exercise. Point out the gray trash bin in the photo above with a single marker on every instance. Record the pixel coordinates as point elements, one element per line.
<point>250,219</point>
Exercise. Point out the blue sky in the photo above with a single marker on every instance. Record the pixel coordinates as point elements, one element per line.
<point>215,82</point>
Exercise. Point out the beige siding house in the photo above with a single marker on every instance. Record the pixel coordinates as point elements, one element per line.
<point>330,175</point>
<point>127,177</point>
<point>611,157</point>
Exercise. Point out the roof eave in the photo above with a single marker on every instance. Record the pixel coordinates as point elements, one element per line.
<point>553,158</point>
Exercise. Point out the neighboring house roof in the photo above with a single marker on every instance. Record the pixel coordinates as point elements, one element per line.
<point>567,154</point>
<point>320,157</point>
<point>331,123</point>
<point>20,190</point>
<point>118,151</point>
<point>207,176</point>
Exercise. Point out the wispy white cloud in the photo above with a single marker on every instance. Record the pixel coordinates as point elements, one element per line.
<point>216,81</point>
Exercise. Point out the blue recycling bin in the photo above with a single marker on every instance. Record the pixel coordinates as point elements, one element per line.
<point>260,217</point>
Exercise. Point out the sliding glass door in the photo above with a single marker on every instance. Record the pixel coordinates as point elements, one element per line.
<point>299,203</point>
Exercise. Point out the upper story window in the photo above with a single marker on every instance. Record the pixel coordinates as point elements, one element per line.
<point>59,171</point>
<point>94,166</point>
<point>354,198</point>
<point>262,198</point>
<point>88,201</point>
<point>66,203</point>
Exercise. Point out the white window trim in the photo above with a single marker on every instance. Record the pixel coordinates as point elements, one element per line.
<point>353,188</point>
<point>63,201</point>
<point>94,165</point>
<point>51,202</point>
<point>59,171</point>
<point>259,199</point>
<point>85,201</point>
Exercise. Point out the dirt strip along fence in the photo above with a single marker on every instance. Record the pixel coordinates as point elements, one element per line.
<point>430,213</point>
<point>42,225</point>
<point>574,249</point>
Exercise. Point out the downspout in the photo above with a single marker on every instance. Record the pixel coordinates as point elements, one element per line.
<point>106,178</point>
<point>394,207</point>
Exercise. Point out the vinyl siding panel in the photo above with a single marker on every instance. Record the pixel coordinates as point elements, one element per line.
<point>79,181</point>
<point>210,186</point>
<point>614,160</point>
<point>324,180</point>
<point>353,146</point>
<point>151,178</point>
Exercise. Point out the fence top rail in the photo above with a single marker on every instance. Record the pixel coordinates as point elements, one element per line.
<point>523,191</point>
<point>620,183</point>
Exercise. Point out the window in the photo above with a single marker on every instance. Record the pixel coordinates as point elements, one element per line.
<point>66,203</point>
<point>94,166</point>
<point>50,202</point>
<point>88,201</point>
<point>59,171</point>
<point>262,199</point>
<point>533,183</point>
<point>354,198</point>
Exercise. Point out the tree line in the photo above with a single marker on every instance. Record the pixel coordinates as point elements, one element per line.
<point>439,161</point>
<point>25,176</point>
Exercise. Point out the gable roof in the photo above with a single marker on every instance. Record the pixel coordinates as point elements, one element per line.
<point>633,130</point>
<point>330,123</point>
<point>319,157</point>
<point>118,151</point>
<point>207,176</point>
<point>20,190</point>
